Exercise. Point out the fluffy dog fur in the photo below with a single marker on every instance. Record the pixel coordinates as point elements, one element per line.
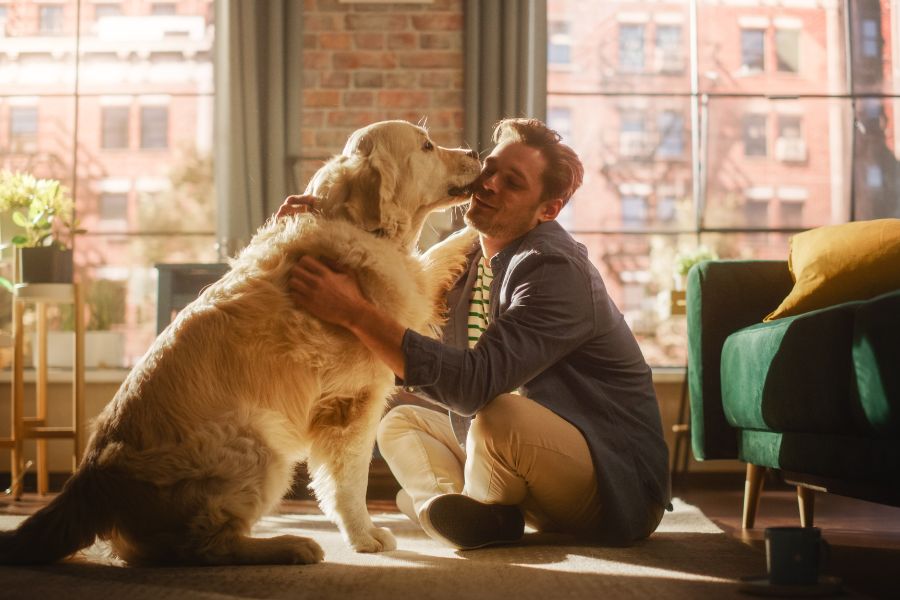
<point>202,438</point>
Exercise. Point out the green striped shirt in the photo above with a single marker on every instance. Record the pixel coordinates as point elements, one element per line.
<point>480,306</point>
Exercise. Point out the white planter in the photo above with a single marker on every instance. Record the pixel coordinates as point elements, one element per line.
<point>102,349</point>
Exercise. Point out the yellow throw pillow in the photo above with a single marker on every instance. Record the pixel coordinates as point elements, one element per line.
<point>840,263</point>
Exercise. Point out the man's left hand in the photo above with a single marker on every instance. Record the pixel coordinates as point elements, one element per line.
<point>325,292</point>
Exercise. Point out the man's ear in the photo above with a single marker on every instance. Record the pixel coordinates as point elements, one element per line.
<point>550,209</point>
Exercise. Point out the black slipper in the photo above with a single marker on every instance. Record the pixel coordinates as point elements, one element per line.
<point>465,523</point>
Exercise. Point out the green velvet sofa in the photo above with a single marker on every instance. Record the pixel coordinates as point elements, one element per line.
<point>815,396</point>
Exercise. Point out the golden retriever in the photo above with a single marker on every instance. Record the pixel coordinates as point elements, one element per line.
<point>203,436</point>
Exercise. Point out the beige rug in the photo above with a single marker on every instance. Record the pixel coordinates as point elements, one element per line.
<point>688,557</point>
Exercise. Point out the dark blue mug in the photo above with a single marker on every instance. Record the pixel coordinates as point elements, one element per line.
<point>795,555</point>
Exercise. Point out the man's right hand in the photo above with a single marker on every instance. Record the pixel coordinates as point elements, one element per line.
<point>295,205</point>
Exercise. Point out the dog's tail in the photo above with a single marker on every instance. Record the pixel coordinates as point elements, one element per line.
<point>72,521</point>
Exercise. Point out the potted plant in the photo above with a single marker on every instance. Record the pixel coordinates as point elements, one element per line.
<point>686,259</point>
<point>43,211</point>
<point>104,346</point>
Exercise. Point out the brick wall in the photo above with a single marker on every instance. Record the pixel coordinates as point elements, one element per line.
<point>370,62</point>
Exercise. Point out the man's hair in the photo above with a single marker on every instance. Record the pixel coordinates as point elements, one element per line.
<point>564,172</point>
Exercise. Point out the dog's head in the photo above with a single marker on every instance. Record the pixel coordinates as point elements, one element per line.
<point>390,176</point>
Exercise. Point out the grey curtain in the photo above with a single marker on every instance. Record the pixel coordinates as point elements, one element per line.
<point>258,61</point>
<point>505,65</point>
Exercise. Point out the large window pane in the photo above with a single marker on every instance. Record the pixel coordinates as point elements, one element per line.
<point>621,46</point>
<point>776,163</point>
<point>756,47</point>
<point>142,144</point>
<point>876,174</point>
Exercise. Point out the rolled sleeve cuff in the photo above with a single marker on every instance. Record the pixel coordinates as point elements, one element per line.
<point>422,359</point>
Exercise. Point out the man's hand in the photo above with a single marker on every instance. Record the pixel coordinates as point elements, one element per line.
<point>334,296</point>
<point>328,293</point>
<point>296,205</point>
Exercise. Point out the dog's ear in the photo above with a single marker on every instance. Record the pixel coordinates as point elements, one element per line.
<point>369,184</point>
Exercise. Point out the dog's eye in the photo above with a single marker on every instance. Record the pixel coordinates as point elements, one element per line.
<point>427,145</point>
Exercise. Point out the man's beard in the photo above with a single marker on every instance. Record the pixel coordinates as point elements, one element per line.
<point>497,228</point>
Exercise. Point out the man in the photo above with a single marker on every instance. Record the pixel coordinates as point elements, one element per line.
<point>566,434</point>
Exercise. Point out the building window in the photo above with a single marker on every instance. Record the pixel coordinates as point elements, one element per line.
<point>559,119</point>
<point>115,127</point>
<point>50,19</point>
<point>668,51</point>
<point>107,9</point>
<point>753,49</point>
<point>631,48</point>
<point>632,137</point>
<point>634,210</point>
<point>787,50</point>
<point>790,145</point>
<point>671,134</point>
<point>874,177</point>
<point>154,127</point>
<point>559,44</point>
<point>792,214</point>
<point>23,124</point>
<point>666,208</point>
<point>754,135</point>
<point>113,206</point>
<point>870,38</point>
<point>163,9</point>
<point>756,212</point>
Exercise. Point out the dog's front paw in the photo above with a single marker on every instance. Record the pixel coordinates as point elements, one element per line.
<point>376,539</point>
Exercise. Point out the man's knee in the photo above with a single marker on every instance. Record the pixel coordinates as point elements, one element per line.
<point>497,420</point>
<point>398,420</point>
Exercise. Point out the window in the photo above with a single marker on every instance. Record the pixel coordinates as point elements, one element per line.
<point>873,176</point>
<point>631,48</point>
<point>113,206</point>
<point>671,135</point>
<point>634,211</point>
<point>753,49</point>
<point>787,50</point>
<point>632,137</point>
<point>559,118</point>
<point>115,127</point>
<point>154,127</point>
<point>754,128</point>
<point>559,44</point>
<point>784,111</point>
<point>669,54</point>
<point>756,213</point>
<point>126,102</point>
<point>23,124</point>
<point>107,10</point>
<point>50,19</point>
<point>163,9</point>
<point>871,38</point>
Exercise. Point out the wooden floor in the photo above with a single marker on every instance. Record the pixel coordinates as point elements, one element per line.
<point>864,537</point>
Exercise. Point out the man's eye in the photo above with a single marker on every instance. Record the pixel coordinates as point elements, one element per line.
<point>427,145</point>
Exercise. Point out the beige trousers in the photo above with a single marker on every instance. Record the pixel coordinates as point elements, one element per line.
<point>517,452</point>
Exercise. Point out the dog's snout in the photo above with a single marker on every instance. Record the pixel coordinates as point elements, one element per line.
<point>472,154</point>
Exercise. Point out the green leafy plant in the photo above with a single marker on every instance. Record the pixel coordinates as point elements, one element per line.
<point>686,259</point>
<point>41,207</point>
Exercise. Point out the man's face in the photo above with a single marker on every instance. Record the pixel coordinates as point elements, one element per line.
<point>507,197</point>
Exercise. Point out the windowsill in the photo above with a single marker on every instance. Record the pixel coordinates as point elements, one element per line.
<point>65,375</point>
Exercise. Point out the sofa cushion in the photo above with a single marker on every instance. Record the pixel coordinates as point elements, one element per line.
<point>840,263</point>
<point>876,363</point>
<point>793,374</point>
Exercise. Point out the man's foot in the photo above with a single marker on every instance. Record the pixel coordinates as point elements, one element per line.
<point>406,506</point>
<point>465,523</point>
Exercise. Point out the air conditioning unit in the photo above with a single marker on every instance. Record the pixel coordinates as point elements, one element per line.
<point>634,143</point>
<point>790,149</point>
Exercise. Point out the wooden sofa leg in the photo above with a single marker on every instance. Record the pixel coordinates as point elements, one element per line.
<point>806,499</point>
<point>752,487</point>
